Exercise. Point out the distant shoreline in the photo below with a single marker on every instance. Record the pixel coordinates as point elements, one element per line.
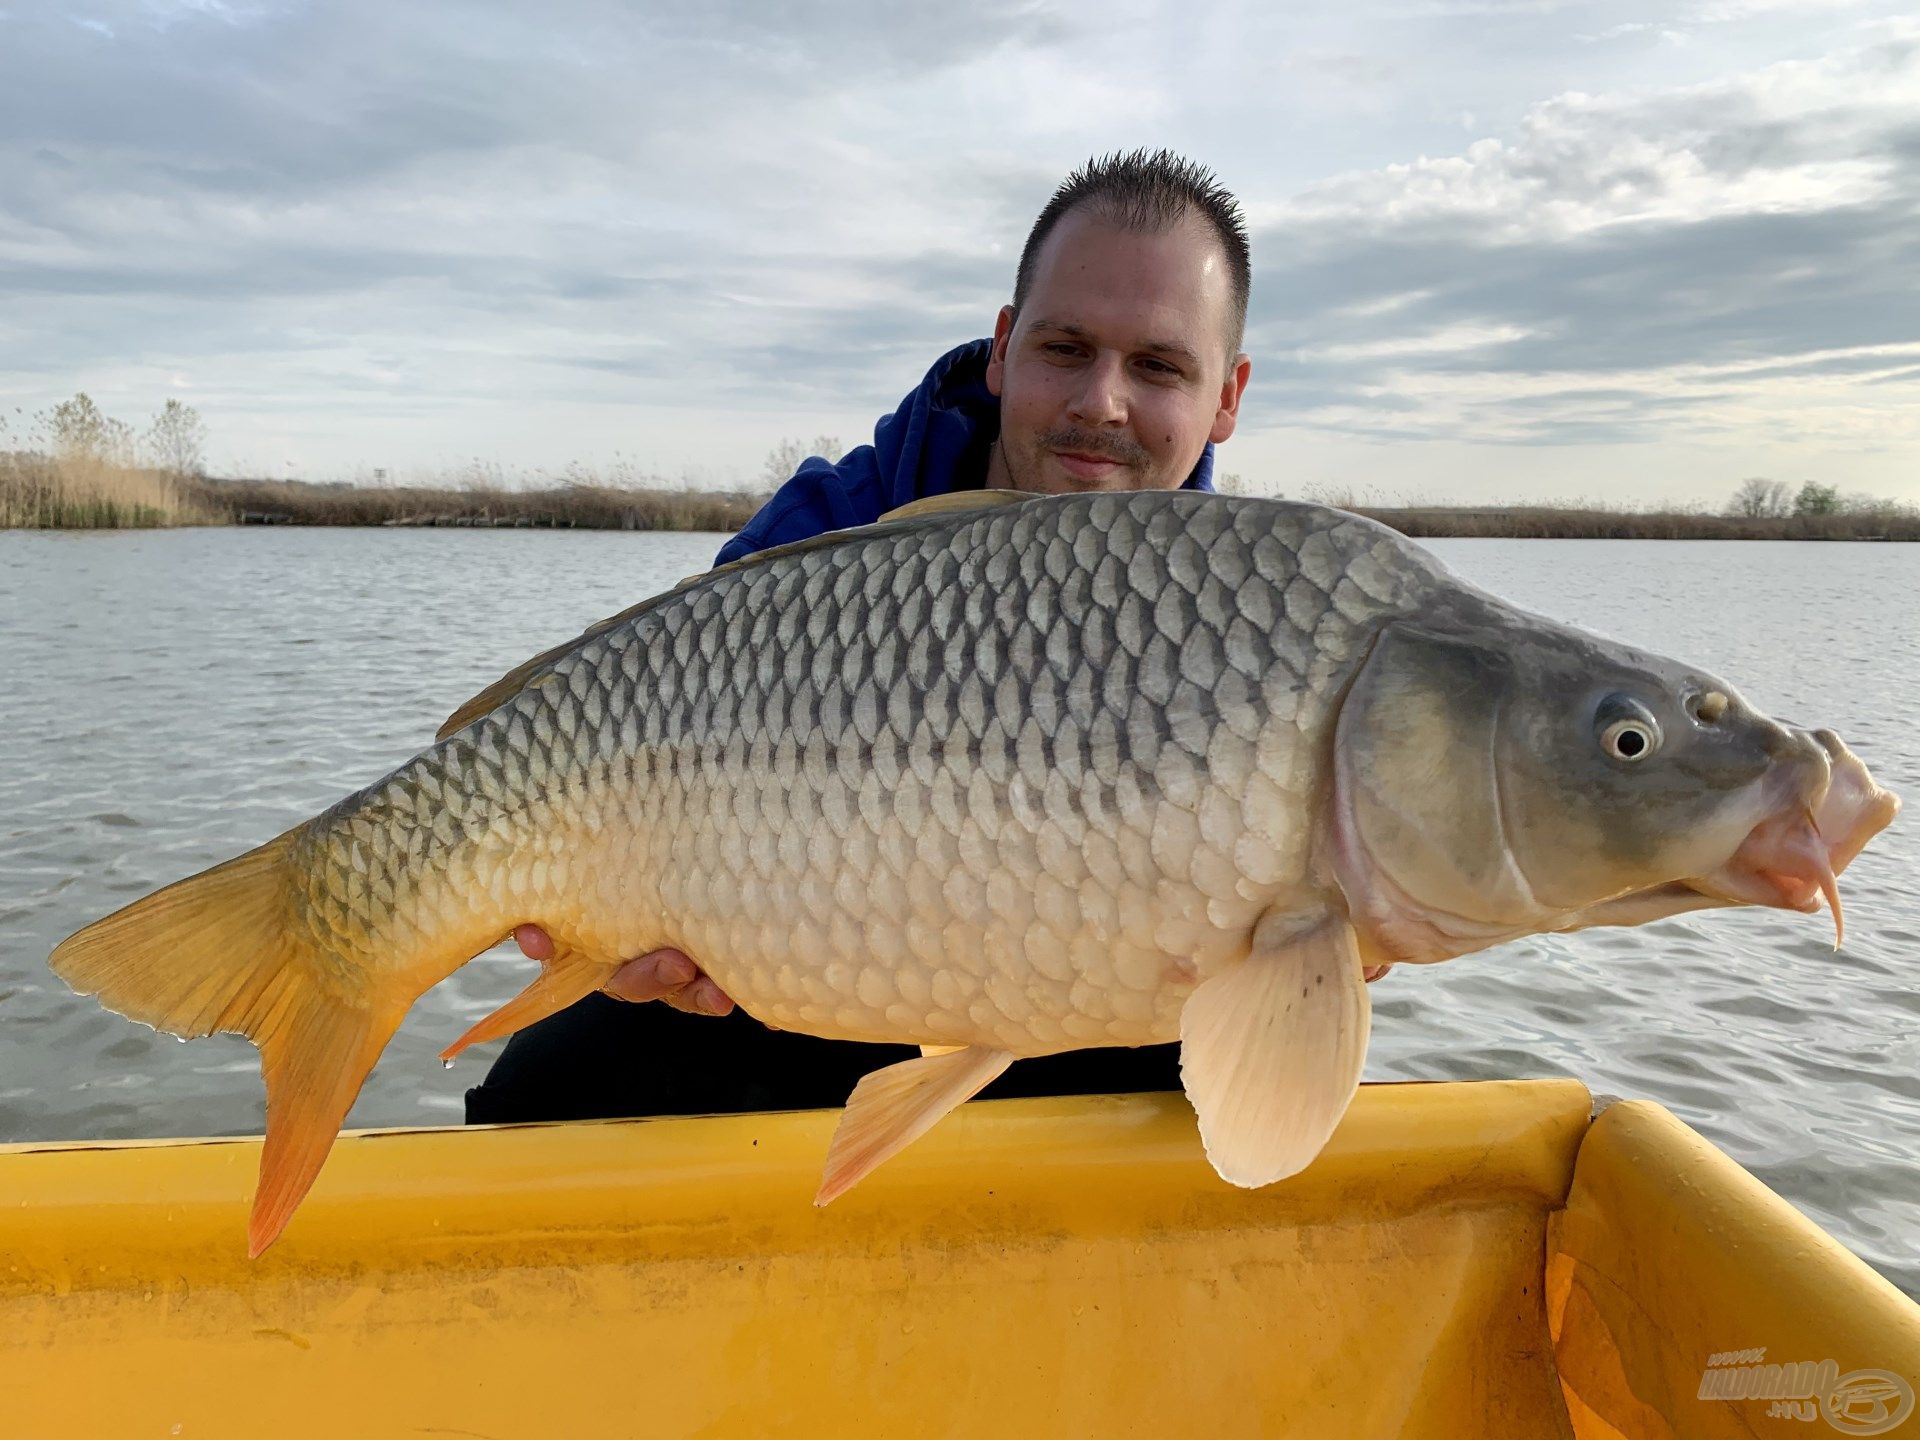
<point>1524,522</point>
<point>558,507</point>
<point>146,499</point>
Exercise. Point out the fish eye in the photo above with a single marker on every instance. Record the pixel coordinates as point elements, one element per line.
<point>1627,731</point>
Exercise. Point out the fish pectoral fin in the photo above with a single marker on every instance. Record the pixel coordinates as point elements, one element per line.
<point>940,1049</point>
<point>1270,1053</point>
<point>892,1108</point>
<point>565,978</point>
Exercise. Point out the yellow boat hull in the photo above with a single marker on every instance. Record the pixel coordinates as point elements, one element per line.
<point>1467,1260</point>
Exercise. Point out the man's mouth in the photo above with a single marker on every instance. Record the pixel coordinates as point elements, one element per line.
<point>1084,465</point>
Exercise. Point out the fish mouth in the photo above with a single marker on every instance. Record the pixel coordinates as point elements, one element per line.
<point>1792,859</point>
<point>1784,863</point>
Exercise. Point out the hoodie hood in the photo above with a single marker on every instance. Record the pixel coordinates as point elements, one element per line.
<point>937,441</point>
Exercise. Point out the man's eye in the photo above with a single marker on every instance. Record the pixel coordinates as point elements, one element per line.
<point>1159,367</point>
<point>1060,347</point>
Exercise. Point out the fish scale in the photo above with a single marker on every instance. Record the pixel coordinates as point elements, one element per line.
<point>654,759</point>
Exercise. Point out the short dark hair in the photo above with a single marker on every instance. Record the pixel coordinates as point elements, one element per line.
<point>1149,192</point>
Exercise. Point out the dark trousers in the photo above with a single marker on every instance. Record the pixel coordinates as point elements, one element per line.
<point>605,1058</point>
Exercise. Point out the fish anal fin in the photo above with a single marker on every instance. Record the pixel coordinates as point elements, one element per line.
<point>891,1108</point>
<point>315,1054</point>
<point>564,978</point>
<point>1271,1052</point>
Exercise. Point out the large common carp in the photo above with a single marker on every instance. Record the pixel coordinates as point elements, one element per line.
<point>1006,777</point>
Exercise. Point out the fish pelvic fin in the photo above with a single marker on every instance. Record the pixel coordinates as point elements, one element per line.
<point>893,1107</point>
<point>1271,1052</point>
<point>215,953</point>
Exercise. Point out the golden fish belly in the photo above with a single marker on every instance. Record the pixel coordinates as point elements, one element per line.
<point>907,898</point>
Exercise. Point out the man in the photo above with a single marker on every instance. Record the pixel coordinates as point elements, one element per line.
<point>1117,367</point>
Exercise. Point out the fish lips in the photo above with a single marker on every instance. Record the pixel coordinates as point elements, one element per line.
<point>1790,859</point>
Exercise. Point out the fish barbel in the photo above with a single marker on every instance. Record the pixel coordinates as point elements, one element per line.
<point>1006,776</point>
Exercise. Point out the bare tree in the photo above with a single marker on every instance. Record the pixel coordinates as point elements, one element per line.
<point>81,432</point>
<point>785,457</point>
<point>1760,498</point>
<point>177,440</point>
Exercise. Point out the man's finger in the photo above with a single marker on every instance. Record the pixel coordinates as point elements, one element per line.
<point>708,998</point>
<point>699,999</point>
<point>652,976</point>
<point>534,942</point>
<point>702,997</point>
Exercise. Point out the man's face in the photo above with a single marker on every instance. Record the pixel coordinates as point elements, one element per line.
<point>1114,376</point>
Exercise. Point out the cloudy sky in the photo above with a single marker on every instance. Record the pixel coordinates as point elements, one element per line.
<point>1503,249</point>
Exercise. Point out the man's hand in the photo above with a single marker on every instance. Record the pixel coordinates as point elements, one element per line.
<point>659,975</point>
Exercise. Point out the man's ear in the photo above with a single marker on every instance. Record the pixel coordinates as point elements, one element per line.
<point>1231,389</point>
<point>997,361</point>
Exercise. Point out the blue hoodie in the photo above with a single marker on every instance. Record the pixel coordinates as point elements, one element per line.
<point>937,441</point>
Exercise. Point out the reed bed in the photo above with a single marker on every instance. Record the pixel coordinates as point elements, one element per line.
<point>83,492</point>
<point>1890,522</point>
<point>567,506</point>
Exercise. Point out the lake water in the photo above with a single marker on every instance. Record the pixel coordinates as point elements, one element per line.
<point>172,698</point>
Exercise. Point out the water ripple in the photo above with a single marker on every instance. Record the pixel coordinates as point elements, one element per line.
<point>181,696</point>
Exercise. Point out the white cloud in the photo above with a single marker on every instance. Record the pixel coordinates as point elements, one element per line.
<point>1702,266</point>
<point>1719,12</point>
<point>1452,340</point>
<point>402,236</point>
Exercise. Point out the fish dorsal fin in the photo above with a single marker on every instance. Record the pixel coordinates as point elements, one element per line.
<point>1271,1050</point>
<point>518,678</point>
<point>953,501</point>
<point>521,676</point>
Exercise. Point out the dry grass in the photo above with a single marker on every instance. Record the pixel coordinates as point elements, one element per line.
<point>1889,522</point>
<point>567,506</point>
<point>85,492</point>
<point>39,492</point>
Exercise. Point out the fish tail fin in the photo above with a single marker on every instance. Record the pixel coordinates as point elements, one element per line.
<point>202,955</point>
<point>215,952</point>
<point>315,1053</point>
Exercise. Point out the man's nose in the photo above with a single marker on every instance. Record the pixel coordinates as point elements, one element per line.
<point>1101,398</point>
